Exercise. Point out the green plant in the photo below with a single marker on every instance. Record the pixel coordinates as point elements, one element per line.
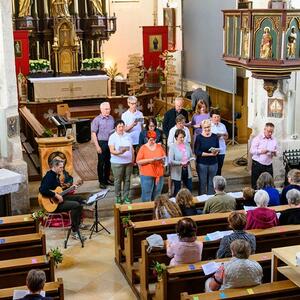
<point>126,222</point>
<point>39,64</point>
<point>48,133</point>
<point>158,269</point>
<point>57,255</point>
<point>112,71</point>
<point>95,63</point>
<point>38,215</point>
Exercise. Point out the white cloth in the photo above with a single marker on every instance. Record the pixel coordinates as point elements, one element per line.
<point>171,137</point>
<point>218,129</point>
<point>118,141</point>
<point>128,117</point>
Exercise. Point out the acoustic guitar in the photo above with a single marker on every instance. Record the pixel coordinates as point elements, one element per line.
<point>50,204</point>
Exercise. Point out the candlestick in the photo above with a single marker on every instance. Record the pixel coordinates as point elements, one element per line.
<point>49,54</point>
<point>76,7</point>
<point>97,47</point>
<point>81,49</point>
<point>38,49</point>
<point>92,46</point>
<point>13,7</point>
<point>46,11</point>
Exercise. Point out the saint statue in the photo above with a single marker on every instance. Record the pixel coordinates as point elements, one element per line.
<point>60,8</point>
<point>97,7</point>
<point>25,8</point>
<point>292,43</point>
<point>266,44</point>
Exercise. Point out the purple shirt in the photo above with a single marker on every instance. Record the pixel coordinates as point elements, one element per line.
<point>103,127</point>
<point>260,143</point>
<point>197,119</point>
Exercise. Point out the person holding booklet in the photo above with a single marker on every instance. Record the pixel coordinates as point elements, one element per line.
<point>180,156</point>
<point>151,158</point>
<point>206,150</point>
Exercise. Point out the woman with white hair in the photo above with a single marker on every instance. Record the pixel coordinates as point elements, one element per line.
<point>261,217</point>
<point>291,215</point>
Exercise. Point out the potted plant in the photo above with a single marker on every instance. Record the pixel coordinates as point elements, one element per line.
<point>57,255</point>
<point>158,269</point>
<point>40,68</point>
<point>92,66</point>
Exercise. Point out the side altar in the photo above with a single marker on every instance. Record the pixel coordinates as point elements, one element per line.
<point>72,87</point>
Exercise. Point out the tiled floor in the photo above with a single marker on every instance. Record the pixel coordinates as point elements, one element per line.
<point>90,273</point>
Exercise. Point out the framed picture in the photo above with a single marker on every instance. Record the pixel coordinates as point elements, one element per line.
<point>170,21</point>
<point>275,108</point>
<point>155,43</point>
<point>18,48</point>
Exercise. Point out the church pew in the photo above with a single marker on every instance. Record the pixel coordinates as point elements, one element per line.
<point>139,231</point>
<point>268,291</point>
<point>179,279</point>
<point>53,289</point>
<point>142,211</point>
<point>266,239</point>
<point>13,272</point>
<point>25,245</point>
<point>17,225</point>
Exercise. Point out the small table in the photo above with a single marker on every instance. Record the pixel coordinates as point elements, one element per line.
<point>288,256</point>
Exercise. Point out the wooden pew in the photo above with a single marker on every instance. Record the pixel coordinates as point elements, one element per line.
<point>139,231</point>
<point>266,239</point>
<point>17,225</point>
<point>179,279</point>
<point>25,245</point>
<point>13,272</point>
<point>267,291</point>
<point>53,289</point>
<point>142,211</point>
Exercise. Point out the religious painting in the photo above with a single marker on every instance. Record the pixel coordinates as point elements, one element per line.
<point>292,40</point>
<point>155,41</point>
<point>18,48</point>
<point>155,44</point>
<point>170,21</point>
<point>275,108</point>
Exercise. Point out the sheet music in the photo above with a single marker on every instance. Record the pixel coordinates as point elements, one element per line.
<point>210,267</point>
<point>18,294</point>
<point>236,195</point>
<point>217,235</point>
<point>97,196</point>
<point>246,208</point>
<point>172,238</point>
<point>173,199</point>
<point>203,197</point>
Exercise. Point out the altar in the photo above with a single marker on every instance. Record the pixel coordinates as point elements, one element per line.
<point>68,88</point>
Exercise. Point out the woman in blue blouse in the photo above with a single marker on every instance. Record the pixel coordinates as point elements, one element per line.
<point>266,182</point>
<point>151,124</point>
<point>206,150</point>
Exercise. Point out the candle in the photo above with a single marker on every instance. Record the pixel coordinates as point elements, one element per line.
<point>76,7</point>
<point>13,7</point>
<point>38,50</point>
<point>81,49</point>
<point>49,54</point>
<point>92,48</point>
<point>46,12</point>
<point>98,49</point>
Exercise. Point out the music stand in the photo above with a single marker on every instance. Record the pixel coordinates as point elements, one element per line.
<point>94,199</point>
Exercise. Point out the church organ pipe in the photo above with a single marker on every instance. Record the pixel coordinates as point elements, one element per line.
<point>46,11</point>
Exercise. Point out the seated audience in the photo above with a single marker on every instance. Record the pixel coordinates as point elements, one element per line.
<point>151,125</point>
<point>150,159</point>
<point>180,124</point>
<point>265,182</point>
<point>187,250</point>
<point>240,271</point>
<point>291,215</point>
<point>261,217</point>
<point>35,282</point>
<point>220,202</point>
<point>184,199</point>
<point>237,222</point>
<point>293,177</point>
<point>248,195</point>
<point>180,154</point>
<point>165,208</point>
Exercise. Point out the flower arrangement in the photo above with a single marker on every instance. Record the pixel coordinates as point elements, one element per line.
<point>39,65</point>
<point>92,63</point>
<point>56,254</point>
<point>38,215</point>
<point>158,269</point>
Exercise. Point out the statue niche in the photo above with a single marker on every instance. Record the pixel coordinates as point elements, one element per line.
<point>66,47</point>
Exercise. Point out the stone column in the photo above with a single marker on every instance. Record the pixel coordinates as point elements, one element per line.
<point>10,148</point>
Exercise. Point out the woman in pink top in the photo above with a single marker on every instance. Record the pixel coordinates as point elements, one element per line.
<point>261,217</point>
<point>187,250</point>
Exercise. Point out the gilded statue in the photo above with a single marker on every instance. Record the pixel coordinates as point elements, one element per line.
<point>97,7</point>
<point>266,44</point>
<point>25,8</point>
<point>60,8</point>
<point>292,43</point>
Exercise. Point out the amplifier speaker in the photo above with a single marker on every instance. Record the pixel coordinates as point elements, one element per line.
<point>83,131</point>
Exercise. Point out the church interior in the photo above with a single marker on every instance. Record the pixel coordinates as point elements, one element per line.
<point>235,64</point>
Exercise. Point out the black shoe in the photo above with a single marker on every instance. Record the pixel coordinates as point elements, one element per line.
<point>109,182</point>
<point>102,185</point>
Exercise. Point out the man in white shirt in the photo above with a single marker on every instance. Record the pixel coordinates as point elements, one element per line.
<point>180,122</point>
<point>220,130</point>
<point>133,120</point>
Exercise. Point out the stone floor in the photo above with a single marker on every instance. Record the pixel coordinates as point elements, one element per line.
<point>90,273</point>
